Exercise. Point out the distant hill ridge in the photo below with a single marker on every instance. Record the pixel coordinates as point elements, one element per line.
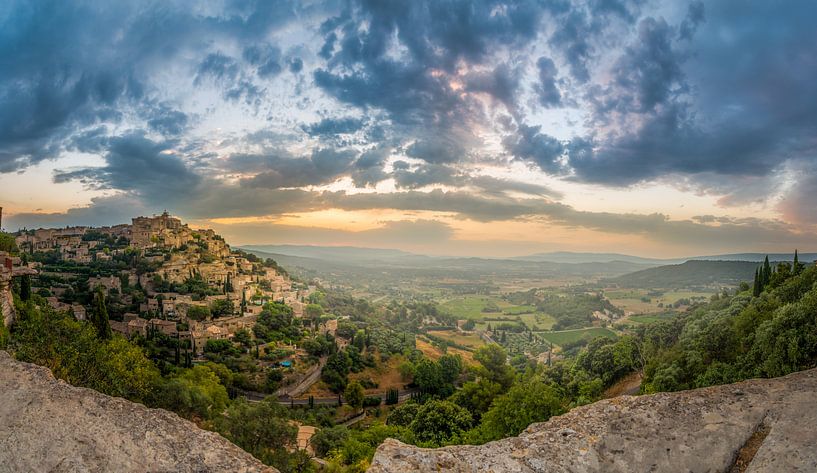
<point>691,273</point>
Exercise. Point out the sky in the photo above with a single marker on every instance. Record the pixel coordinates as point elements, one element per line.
<point>485,128</point>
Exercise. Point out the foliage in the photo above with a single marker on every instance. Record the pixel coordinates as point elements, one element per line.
<point>328,439</point>
<point>525,403</point>
<point>197,391</point>
<point>493,361</point>
<point>222,308</point>
<point>335,373</point>
<point>438,422</point>
<point>198,312</point>
<point>275,323</point>
<point>99,315</point>
<point>259,428</point>
<point>354,394</point>
<point>74,353</point>
<point>403,414</point>
<point>477,396</point>
<point>7,243</point>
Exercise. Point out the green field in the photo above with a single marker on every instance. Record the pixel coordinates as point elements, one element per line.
<point>535,322</point>
<point>569,336</point>
<point>470,307</point>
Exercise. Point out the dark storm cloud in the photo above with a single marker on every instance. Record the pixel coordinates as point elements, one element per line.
<point>265,58</point>
<point>502,83</point>
<point>296,65</point>
<point>433,37</point>
<point>437,150</point>
<point>217,66</point>
<point>335,126</point>
<point>66,66</point>
<point>530,144</point>
<point>167,120</point>
<point>710,98</point>
<point>695,16</point>
<point>426,175</point>
<point>736,100</point>
<point>136,164</point>
<point>547,90</point>
<point>323,166</point>
<point>368,169</point>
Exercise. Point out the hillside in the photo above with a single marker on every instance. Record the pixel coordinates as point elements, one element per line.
<point>690,273</point>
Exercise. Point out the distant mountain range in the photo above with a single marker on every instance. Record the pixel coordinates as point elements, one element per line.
<point>358,254</point>
<point>368,262</point>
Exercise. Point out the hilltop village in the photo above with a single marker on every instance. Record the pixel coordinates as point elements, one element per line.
<point>157,275</point>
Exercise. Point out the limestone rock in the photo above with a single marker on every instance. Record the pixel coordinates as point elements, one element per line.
<point>49,425</point>
<point>771,423</point>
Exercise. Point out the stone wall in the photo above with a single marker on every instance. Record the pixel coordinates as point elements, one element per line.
<point>6,300</point>
<point>754,426</point>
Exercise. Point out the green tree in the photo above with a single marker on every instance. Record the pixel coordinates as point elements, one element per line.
<point>450,367</point>
<point>261,428</point>
<point>335,373</point>
<point>222,308</point>
<point>313,311</point>
<point>438,422</point>
<point>429,378</point>
<point>25,287</point>
<point>99,315</point>
<point>354,394</point>
<point>525,403</point>
<point>198,312</point>
<point>477,396</point>
<point>403,414</point>
<point>7,243</point>
<point>796,266</point>
<point>195,392</point>
<point>243,338</point>
<point>329,439</point>
<point>493,360</point>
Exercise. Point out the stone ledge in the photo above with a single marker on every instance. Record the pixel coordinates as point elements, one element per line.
<point>49,425</point>
<point>700,431</point>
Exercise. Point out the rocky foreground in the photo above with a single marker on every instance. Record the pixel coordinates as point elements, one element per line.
<point>48,425</point>
<point>754,426</point>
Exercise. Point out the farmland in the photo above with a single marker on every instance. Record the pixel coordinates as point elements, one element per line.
<point>571,336</point>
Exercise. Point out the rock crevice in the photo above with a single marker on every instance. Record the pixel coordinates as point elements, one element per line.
<point>756,426</point>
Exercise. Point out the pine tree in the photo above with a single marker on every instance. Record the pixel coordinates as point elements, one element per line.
<point>99,315</point>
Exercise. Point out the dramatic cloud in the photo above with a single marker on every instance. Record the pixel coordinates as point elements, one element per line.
<point>267,108</point>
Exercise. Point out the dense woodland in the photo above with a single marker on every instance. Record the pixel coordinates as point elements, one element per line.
<point>765,329</point>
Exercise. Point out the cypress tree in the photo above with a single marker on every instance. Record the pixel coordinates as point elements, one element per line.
<point>25,287</point>
<point>99,315</point>
<point>796,266</point>
<point>756,283</point>
<point>767,272</point>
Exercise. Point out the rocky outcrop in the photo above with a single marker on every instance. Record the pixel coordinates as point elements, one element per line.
<point>754,426</point>
<point>48,425</point>
<point>6,301</point>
